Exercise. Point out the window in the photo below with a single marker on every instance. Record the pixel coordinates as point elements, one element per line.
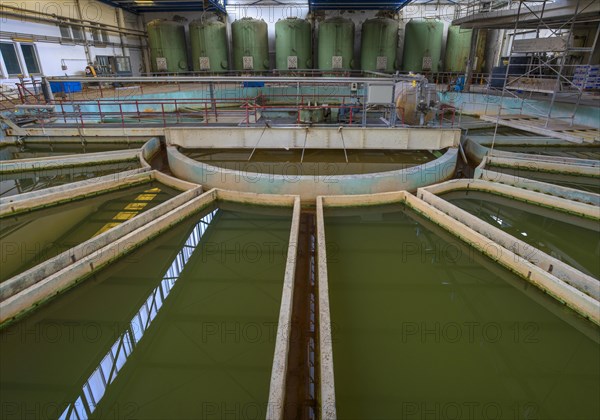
<point>123,65</point>
<point>100,36</point>
<point>96,35</point>
<point>77,33</point>
<point>71,32</point>
<point>31,59</point>
<point>11,61</point>
<point>65,32</point>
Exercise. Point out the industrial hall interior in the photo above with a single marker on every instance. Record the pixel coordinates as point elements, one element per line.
<point>300,209</point>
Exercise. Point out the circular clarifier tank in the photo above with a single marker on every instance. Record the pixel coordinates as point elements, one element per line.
<point>311,162</point>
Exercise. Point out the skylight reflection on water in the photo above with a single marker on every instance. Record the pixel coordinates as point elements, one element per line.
<point>95,387</point>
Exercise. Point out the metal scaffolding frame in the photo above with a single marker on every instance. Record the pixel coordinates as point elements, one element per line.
<point>549,69</point>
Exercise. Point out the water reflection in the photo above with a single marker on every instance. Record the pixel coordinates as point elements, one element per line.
<point>95,387</point>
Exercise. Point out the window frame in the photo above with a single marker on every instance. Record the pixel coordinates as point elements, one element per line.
<point>5,71</point>
<point>36,57</point>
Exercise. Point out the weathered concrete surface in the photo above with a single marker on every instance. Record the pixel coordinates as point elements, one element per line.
<point>552,165</point>
<point>70,192</point>
<point>313,138</point>
<point>67,187</point>
<point>61,280</point>
<point>551,265</point>
<point>148,150</point>
<point>89,133</point>
<point>85,159</point>
<point>279,370</point>
<point>308,187</point>
<point>545,200</point>
<point>22,293</point>
<point>549,283</point>
<point>539,186</point>
<point>477,147</point>
<point>575,299</point>
<point>326,394</point>
<point>35,274</point>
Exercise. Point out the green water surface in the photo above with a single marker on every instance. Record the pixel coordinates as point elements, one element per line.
<point>425,328</point>
<point>570,239</point>
<point>184,327</point>
<point>315,162</point>
<point>22,182</point>
<point>31,238</point>
<point>38,150</point>
<point>583,183</point>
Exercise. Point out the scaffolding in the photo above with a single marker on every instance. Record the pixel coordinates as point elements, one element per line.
<point>545,61</point>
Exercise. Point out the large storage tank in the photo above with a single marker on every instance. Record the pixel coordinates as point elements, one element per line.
<point>414,103</point>
<point>208,41</point>
<point>458,48</point>
<point>336,44</point>
<point>250,44</point>
<point>293,44</point>
<point>379,43</point>
<point>422,45</point>
<point>168,50</point>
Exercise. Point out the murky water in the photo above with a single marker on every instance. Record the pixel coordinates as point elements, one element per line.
<point>36,150</point>
<point>583,183</point>
<point>21,182</point>
<point>424,327</point>
<point>314,162</point>
<point>571,239</point>
<point>31,238</point>
<point>182,328</point>
<point>569,152</point>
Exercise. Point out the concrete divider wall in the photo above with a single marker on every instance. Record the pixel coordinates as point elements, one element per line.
<point>563,292</point>
<point>308,187</point>
<point>313,138</point>
<point>20,303</point>
<point>279,370</point>
<point>477,147</point>
<point>30,289</point>
<point>549,283</point>
<point>148,150</point>
<point>538,165</point>
<point>56,162</point>
<point>71,192</point>
<point>326,392</point>
<point>30,277</point>
<point>559,269</point>
<point>537,186</point>
<point>67,187</point>
<point>537,198</point>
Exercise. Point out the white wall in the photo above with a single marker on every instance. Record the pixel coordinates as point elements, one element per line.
<point>46,36</point>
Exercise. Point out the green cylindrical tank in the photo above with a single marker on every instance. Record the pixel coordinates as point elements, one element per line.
<point>458,48</point>
<point>209,45</point>
<point>168,50</point>
<point>293,44</point>
<point>250,44</point>
<point>336,44</point>
<point>422,45</point>
<point>379,43</point>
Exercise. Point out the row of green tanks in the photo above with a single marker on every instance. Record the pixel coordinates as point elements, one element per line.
<point>293,45</point>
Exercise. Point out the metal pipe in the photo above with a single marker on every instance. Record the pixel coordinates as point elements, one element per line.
<point>230,79</point>
<point>86,45</point>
